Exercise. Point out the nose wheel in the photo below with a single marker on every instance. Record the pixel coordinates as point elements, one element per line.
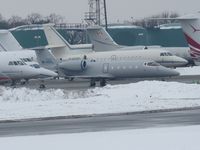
<point>92,83</point>
<point>42,85</point>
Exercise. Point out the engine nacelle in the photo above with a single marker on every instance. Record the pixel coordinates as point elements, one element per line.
<point>73,65</point>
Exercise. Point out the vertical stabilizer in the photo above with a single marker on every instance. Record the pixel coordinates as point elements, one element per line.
<point>101,40</point>
<point>46,59</point>
<point>8,41</point>
<point>191,29</point>
<point>54,38</point>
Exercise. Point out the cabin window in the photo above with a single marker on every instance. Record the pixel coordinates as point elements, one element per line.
<point>35,66</point>
<point>124,67</point>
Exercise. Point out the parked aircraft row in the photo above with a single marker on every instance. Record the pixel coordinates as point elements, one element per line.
<point>100,62</point>
<point>110,63</point>
<point>97,66</point>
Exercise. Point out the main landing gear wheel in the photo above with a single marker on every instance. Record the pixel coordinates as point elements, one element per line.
<point>102,82</point>
<point>92,83</point>
<point>42,86</point>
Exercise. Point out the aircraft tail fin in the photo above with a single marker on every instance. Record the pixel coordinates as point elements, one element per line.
<point>54,38</point>
<point>8,41</point>
<point>191,28</point>
<point>46,59</point>
<point>101,40</point>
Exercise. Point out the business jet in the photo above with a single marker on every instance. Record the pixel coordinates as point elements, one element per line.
<point>12,68</point>
<point>17,63</point>
<point>83,66</point>
<point>61,50</point>
<point>102,41</point>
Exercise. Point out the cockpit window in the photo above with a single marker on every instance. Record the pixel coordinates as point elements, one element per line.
<point>16,63</point>
<point>166,54</point>
<point>20,63</point>
<point>151,64</point>
<point>35,66</point>
<point>26,59</point>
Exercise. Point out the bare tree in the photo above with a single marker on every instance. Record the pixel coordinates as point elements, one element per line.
<point>54,18</point>
<point>149,22</point>
<point>15,21</point>
<point>3,23</point>
<point>36,18</point>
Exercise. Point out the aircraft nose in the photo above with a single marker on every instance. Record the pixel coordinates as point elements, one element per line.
<point>168,72</point>
<point>182,62</point>
<point>174,73</point>
<point>47,73</point>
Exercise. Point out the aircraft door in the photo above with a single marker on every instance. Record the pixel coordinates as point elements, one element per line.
<point>105,68</point>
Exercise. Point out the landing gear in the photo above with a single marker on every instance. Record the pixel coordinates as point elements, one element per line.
<point>70,79</point>
<point>102,82</point>
<point>42,85</point>
<point>13,83</point>
<point>92,83</point>
<point>23,82</point>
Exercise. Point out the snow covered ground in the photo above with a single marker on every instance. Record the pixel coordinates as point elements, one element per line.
<point>174,138</point>
<point>21,103</point>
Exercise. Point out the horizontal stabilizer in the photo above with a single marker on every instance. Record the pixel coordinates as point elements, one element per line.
<point>101,40</point>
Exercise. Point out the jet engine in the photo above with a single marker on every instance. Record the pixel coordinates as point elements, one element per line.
<point>74,65</point>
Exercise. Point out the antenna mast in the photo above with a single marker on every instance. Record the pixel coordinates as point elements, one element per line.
<point>97,14</point>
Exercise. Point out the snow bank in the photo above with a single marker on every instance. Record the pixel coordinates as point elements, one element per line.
<point>147,95</point>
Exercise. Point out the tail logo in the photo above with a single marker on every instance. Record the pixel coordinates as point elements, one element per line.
<point>194,46</point>
<point>194,29</point>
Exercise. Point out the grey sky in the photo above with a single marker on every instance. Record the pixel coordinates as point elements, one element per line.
<point>73,10</point>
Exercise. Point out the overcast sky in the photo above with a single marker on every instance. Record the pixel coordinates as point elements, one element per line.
<point>73,10</point>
